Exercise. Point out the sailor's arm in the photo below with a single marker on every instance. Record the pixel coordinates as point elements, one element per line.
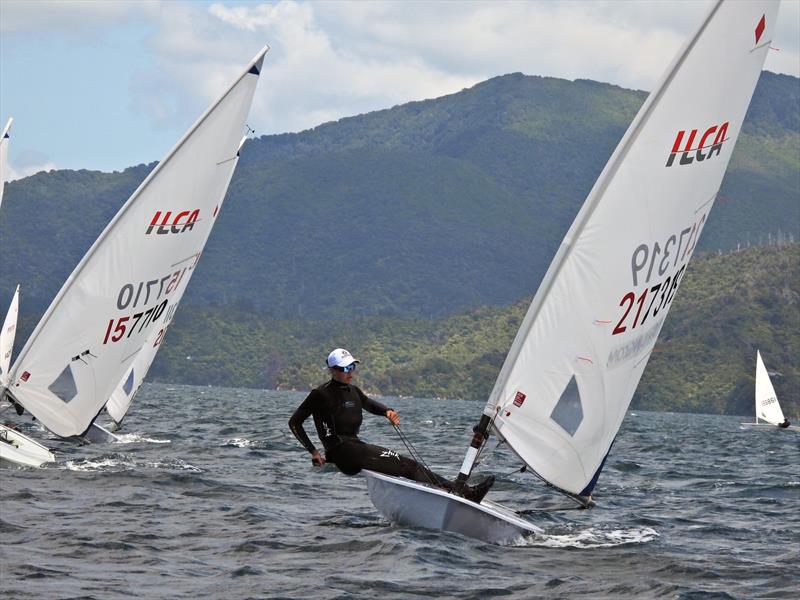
<point>377,408</point>
<point>296,425</point>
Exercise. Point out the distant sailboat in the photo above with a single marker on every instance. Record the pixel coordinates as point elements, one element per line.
<point>127,285</point>
<point>767,407</point>
<point>571,372</point>
<point>15,447</point>
<point>7,335</point>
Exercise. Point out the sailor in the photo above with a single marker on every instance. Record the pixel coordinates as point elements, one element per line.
<point>336,407</point>
<point>785,423</point>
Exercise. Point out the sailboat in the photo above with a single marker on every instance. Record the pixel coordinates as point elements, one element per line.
<point>16,448</point>
<point>127,285</point>
<point>569,377</point>
<point>767,407</point>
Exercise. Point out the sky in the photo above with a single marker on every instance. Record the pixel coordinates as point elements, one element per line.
<point>104,85</point>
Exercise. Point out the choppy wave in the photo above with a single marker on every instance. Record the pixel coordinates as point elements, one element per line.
<point>117,463</point>
<point>591,538</point>
<point>228,506</point>
<point>139,438</point>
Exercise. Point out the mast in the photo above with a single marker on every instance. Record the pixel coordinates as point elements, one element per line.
<point>758,374</point>
<point>5,138</point>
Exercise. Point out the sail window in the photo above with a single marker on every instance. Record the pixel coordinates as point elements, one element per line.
<point>64,386</point>
<point>568,412</point>
<point>128,384</point>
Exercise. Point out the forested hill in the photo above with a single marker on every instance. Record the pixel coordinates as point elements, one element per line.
<point>421,210</point>
<point>728,306</point>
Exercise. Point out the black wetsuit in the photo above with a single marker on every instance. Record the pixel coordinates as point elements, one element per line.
<point>336,408</point>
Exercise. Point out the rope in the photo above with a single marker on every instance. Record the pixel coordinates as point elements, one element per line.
<point>415,454</point>
<point>479,459</point>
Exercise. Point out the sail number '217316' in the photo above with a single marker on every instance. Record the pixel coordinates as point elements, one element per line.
<point>659,263</point>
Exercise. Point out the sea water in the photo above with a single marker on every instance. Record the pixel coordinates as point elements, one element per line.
<point>208,495</point>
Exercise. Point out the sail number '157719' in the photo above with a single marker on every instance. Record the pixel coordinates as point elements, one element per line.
<point>658,263</point>
<point>128,298</point>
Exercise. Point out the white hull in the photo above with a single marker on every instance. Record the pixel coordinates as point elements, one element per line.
<point>415,504</point>
<point>20,450</point>
<point>770,426</point>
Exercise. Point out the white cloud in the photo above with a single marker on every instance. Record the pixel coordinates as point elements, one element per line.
<point>72,18</point>
<point>333,59</point>
<point>27,168</point>
<point>310,80</point>
<point>786,59</point>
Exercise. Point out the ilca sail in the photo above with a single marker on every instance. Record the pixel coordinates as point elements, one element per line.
<point>129,282</point>
<point>576,361</point>
<point>767,406</point>
<point>7,335</point>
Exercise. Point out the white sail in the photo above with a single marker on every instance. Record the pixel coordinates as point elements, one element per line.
<point>767,407</point>
<point>573,368</point>
<point>121,398</point>
<point>4,141</point>
<point>7,335</point>
<point>126,285</point>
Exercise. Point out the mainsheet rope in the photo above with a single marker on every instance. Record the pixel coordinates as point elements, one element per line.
<point>414,453</point>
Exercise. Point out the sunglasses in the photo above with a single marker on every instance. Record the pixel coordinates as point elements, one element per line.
<point>346,369</point>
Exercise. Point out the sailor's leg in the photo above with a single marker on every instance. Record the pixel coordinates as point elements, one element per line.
<point>351,455</point>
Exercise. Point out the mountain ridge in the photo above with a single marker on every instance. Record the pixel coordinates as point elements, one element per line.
<point>428,208</point>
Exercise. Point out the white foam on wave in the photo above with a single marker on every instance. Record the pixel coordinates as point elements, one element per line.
<point>174,464</point>
<point>117,464</point>
<point>435,422</point>
<point>590,538</point>
<point>137,438</point>
<point>100,464</point>
<point>240,443</point>
<point>245,443</point>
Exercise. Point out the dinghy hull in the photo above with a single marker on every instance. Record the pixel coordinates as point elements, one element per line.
<point>770,426</point>
<point>415,504</point>
<point>17,450</point>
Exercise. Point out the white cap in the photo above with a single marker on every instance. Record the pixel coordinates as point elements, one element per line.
<point>341,358</point>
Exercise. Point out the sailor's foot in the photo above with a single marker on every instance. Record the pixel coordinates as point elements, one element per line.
<point>475,493</point>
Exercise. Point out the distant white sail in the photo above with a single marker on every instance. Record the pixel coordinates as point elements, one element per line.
<point>128,283</point>
<point>4,142</point>
<point>573,368</point>
<point>7,335</point>
<point>121,398</point>
<point>767,406</point>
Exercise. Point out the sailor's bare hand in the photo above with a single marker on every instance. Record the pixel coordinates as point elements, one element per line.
<point>316,459</point>
<point>393,417</point>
